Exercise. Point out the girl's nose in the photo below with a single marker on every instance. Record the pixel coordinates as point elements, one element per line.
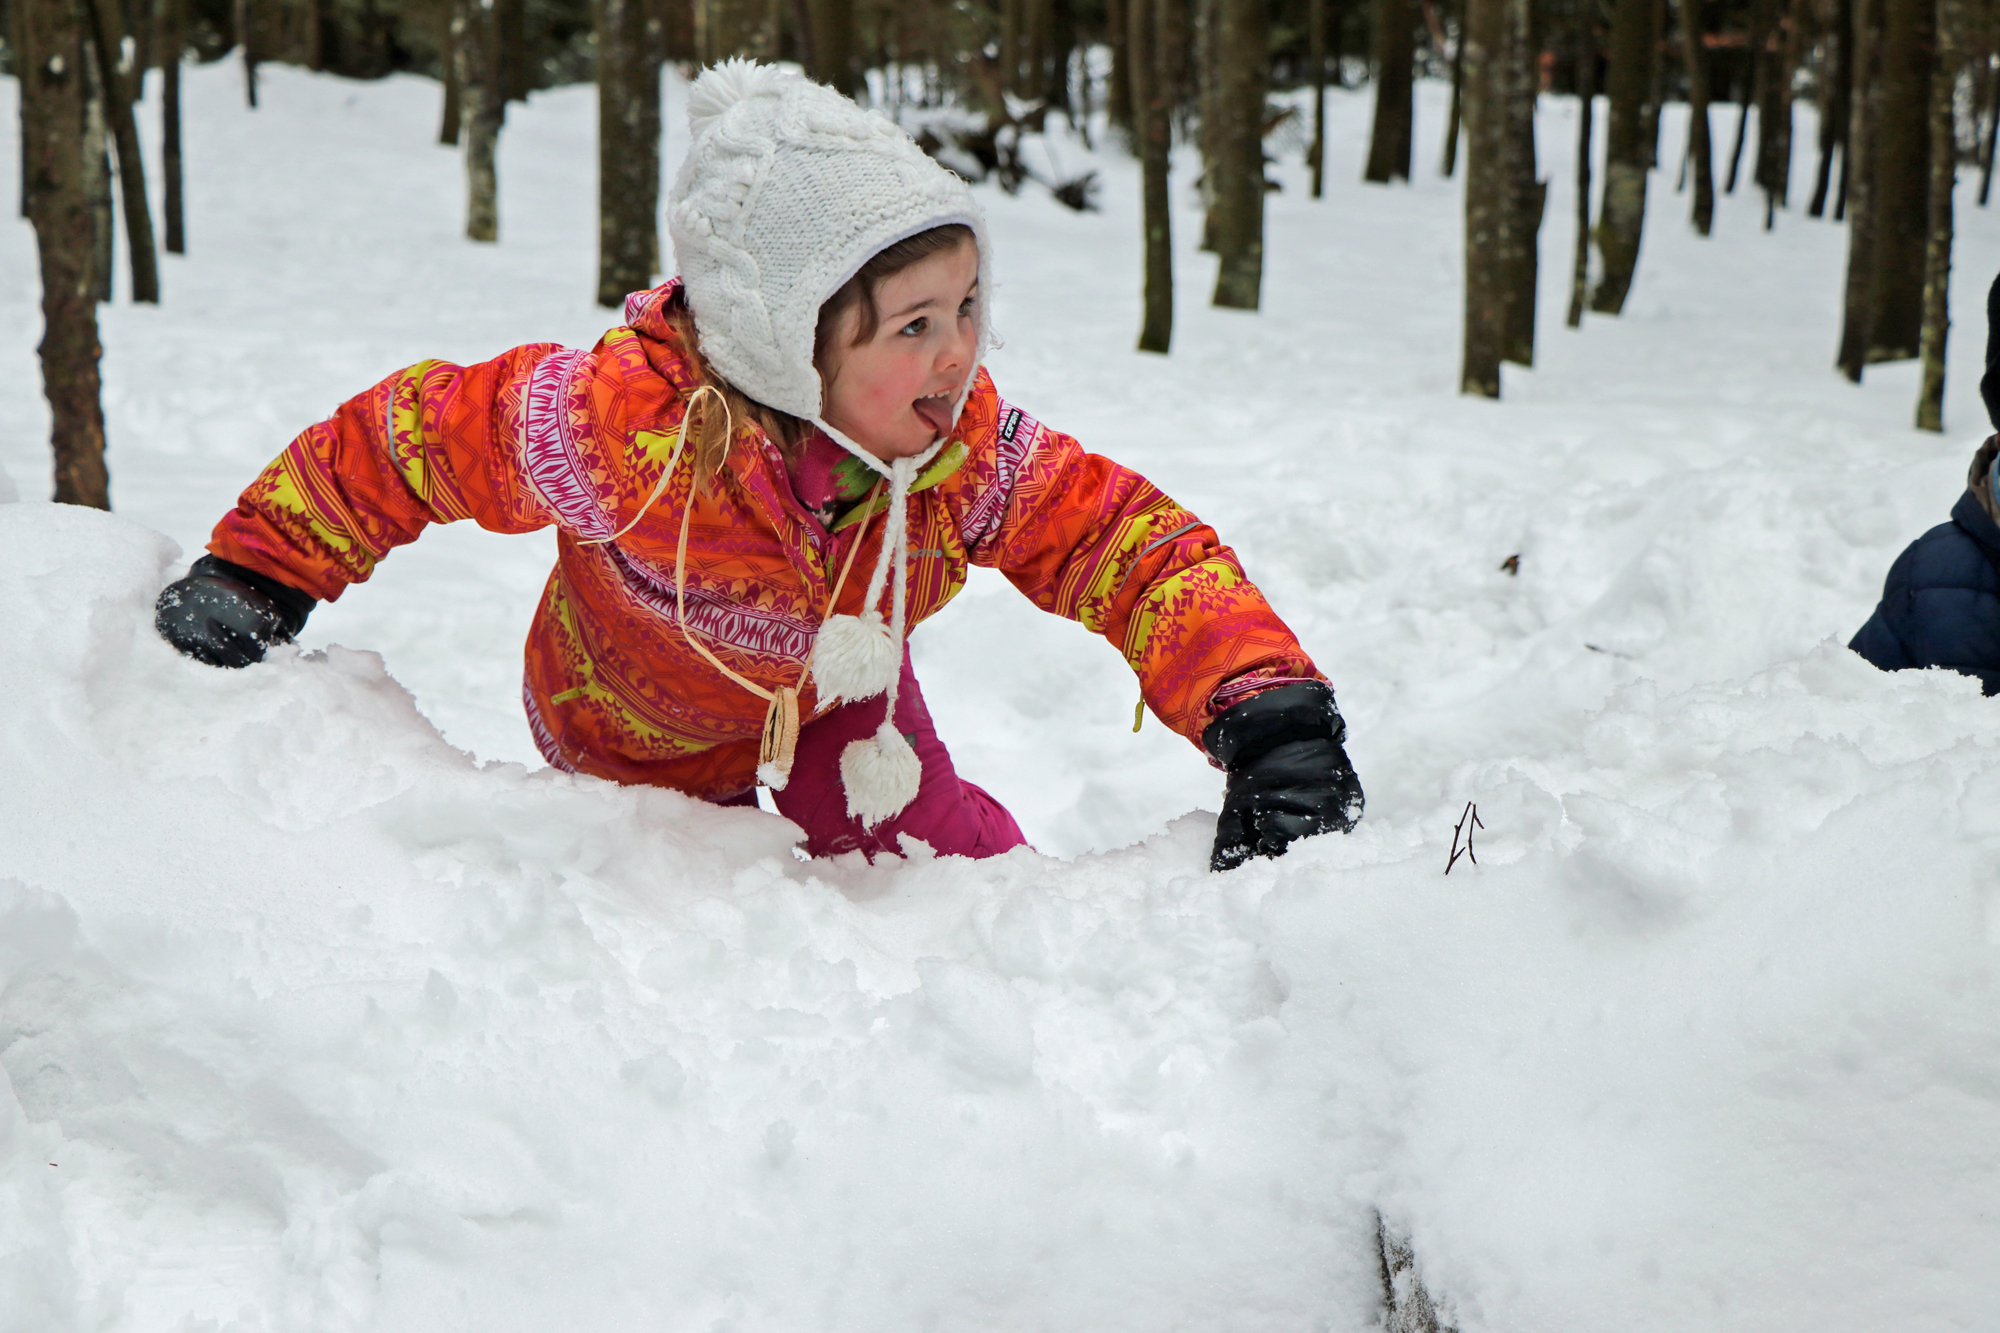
<point>955,355</point>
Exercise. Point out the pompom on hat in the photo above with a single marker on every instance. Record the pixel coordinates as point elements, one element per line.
<point>787,189</point>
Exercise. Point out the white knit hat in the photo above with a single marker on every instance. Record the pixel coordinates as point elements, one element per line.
<point>787,189</point>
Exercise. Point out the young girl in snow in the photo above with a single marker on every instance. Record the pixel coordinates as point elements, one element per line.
<point>783,460</point>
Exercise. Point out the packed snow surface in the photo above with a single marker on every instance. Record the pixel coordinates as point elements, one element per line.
<point>323,1005</point>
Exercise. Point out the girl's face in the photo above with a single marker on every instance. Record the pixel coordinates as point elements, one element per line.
<point>893,394</point>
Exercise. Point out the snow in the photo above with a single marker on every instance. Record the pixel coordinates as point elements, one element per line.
<point>324,1006</point>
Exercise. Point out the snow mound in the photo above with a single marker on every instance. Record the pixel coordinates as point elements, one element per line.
<point>307,1020</point>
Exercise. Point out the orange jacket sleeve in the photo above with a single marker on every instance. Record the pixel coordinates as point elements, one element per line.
<point>1087,539</point>
<point>430,444</point>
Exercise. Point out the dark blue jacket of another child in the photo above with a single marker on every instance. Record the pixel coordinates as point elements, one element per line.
<point>1941,603</point>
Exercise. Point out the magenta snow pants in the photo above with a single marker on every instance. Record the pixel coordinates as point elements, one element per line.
<point>954,816</point>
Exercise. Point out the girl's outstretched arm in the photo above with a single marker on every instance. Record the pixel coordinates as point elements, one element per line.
<point>430,444</point>
<point>1085,538</point>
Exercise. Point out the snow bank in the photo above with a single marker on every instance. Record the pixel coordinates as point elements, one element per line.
<point>309,1020</point>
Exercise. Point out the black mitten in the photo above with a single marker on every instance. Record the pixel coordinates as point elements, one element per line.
<point>226,615</point>
<point>1288,775</point>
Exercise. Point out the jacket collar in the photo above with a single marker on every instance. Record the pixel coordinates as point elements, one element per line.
<point>1972,517</point>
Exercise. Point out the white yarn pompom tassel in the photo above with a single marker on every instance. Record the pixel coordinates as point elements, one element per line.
<point>855,657</point>
<point>881,774</point>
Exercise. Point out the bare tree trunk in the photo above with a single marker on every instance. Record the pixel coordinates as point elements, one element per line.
<point>833,45</point>
<point>1152,129</point>
<point>1656,96</point>
<point>1700,152</point>
<point>1836,85</point>
<point>97,175</point>
<point>107,22</point>
<point>1455,116</point>
<point>246,37</point>
<point>1527,193</point>
<point>1586,96</point>
<point>1395,61</point>
<point>510,37</point>
<point>1118,92</point>
<point>172,43</point>
<point>1950,20</point>
<point>1858,175</point>
<point>50,62</point>
<point>1632,77</point>
<point>446,16</point>
<point>1316,61</point>
<point>1239,193</point>
<point>1483,40</point>
<point>1902,169</point>
<point>1774,110</point>
<point>482,111</point>
<point>1209,118</point>
<point>628,147</point>
<point>1989,141</point>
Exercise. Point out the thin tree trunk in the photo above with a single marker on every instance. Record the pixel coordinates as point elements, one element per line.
<point>16,27</point>
<point>833,45</point>
<point>1316,62</point>
<point>1483,40</point>
<point>1742,133</point>
<point>1774,110</point>
<point>1152,129</point>
<point>1700,152</point>
<point>510,36</point>
<point>1857,171</point>
<point>1395,71</point>
<point>172,206</point>
<point>628,143</point>
<point>1527,194</point>
<point>107,23</point>
<point>1239,194</point>
<point>1656,95</point>
<point>1902,167</point>
<point>1586,96</point>
<point>1631,78</point>
<point>246,37</point>
<point>1118,92</point>
<point>1991,141</point>
<point>1456,114</point>
<point>1010,44</point>
<point>1944,175</point>
<point>50,63</point>
<point>449,23</point>
<point>1835,88</point>
<point>1061,45</point>
<point>482,111</point>
<point>1209,112</point>
<point>97,175</point>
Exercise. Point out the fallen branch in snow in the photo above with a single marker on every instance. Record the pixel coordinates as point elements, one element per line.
<point>1470,812</point>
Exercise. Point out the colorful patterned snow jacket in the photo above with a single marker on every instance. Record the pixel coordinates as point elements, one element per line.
<point>546,435</point>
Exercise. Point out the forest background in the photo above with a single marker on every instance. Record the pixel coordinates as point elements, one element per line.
<point>1906,93</point>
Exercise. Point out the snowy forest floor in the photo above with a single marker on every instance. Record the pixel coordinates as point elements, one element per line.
<point>314,1017</point>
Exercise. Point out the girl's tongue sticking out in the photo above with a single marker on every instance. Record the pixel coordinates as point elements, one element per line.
<point>936,410</point>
